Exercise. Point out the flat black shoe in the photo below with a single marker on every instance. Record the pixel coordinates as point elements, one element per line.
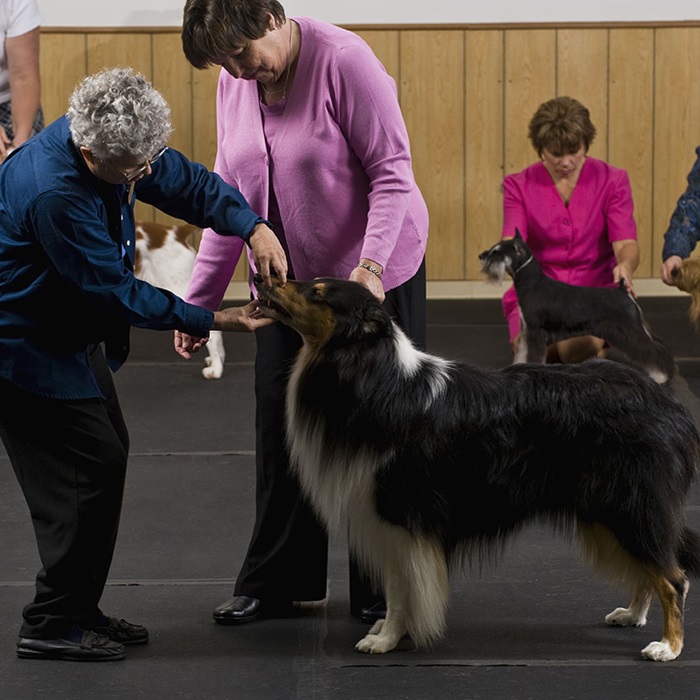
<point>374,612</point>
<point>91,647</point>
<point>243,608</point>
<point>121,631</point>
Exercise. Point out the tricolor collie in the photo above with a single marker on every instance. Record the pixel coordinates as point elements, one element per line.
<point>432,464</point>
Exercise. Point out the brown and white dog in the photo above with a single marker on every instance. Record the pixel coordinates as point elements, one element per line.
<point>687,278</point>
<point>165,258</point>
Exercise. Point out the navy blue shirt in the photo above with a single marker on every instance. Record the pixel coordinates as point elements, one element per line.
<point>67,253</point>
<point>684,228</point>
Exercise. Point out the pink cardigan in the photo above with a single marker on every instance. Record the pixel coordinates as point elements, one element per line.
<point>572,243</point>
<point>341,168</point>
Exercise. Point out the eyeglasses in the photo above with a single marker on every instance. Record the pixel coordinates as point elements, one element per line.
<point>135,174</point>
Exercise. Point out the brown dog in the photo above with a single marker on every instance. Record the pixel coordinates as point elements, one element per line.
<point>687,278</point>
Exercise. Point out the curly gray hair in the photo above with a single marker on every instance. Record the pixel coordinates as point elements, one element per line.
<point>117,113</point>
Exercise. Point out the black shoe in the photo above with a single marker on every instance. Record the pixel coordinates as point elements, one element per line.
<point>89,646</point>
<point>120,630</point>
<point>374,612</point>
<point>243,608</point>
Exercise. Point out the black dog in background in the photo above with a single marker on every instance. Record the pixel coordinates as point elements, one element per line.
<point>427,463</point>
<point>551,311</point>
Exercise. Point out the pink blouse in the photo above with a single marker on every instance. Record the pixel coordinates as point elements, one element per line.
<point>572,243</point>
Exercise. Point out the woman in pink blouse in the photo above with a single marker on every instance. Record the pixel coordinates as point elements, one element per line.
<point>310,129</point>
<point>575,212</point>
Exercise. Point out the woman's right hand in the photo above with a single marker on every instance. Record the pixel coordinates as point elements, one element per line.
<point>669,265</point>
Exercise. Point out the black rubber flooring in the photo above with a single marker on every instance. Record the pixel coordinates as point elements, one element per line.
<point>532,628</point>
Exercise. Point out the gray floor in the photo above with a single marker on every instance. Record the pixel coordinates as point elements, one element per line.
<point>532,628</point>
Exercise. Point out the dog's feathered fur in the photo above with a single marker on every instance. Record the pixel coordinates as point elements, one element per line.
<point>430,463</point>
<point>551,311</point>
<point>687,278</point>
<point>165,258</point>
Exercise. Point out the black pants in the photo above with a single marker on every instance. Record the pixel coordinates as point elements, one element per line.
<point>70,460</point>
<point>288,553</point>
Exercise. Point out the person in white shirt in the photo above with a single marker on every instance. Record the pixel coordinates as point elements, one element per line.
<point>20,84</point>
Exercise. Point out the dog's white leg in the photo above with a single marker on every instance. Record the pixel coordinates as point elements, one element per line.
<point>520,355</point>
<point>217,355</point>
<point>416,587</point>
<point>636,614</point>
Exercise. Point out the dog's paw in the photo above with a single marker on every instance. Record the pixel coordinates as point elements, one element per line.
<point>659,651</point>
<point>375,644</point>
<point>624,617</point>
<point>213,370</point>
<point>376,627</point>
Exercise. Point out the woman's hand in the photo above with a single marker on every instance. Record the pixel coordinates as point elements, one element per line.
<point>240,318</point>
<point>670,264</point>
<point>369,279</point>
<point>268,254</point>
<point>186,345</point>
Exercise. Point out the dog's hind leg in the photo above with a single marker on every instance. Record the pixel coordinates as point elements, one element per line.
<point>636,614</point>
<point>672,589</point>
<point>416,587</point>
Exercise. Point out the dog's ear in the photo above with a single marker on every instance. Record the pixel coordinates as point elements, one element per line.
<point>517,236</point>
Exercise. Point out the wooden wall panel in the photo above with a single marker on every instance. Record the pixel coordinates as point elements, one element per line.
<point>63,65</point>
<point>631,122</point>
<point>676,122</point>
<point>530,79</point>
<point>172,76</point>
<point>204,84</point>
<point>467,94</point>
<point>434,113</point>
<point>484,144</point>
<point>582,73</point>
<point>105,50</point>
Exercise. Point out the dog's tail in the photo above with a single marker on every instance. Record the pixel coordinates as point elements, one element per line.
<point>689,552</point>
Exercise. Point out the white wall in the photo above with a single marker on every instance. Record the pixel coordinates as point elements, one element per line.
<point>151,13</point>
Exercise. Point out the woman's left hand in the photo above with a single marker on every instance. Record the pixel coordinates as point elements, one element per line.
<point>623,271</point>
<point>370,280</point>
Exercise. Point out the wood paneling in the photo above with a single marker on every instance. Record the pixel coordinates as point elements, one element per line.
<point>467,93</point>
<point>484,144</point>
<point>530,70</point>
<point>582,73</point>
<point>676,122</point>
<point>434,113</point>
<point>63,65</point>
<point>631,123</point>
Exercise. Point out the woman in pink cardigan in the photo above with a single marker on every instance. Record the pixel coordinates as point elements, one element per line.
<point>311,132</point>
<point>575,212</point>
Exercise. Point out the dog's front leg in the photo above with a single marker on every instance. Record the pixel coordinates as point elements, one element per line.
<point>216,357</point>
<point>536,347</point>
<point>386,634</point>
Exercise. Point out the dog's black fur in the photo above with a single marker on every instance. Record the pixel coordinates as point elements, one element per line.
<point>551,311</point>
<point>429,463</point>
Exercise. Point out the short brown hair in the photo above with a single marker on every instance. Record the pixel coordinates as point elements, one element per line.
<point>561,125</point>
<point>212,29</point>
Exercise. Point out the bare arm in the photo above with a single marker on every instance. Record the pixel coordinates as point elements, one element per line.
<point>25,82</point>
<point>627,255</point>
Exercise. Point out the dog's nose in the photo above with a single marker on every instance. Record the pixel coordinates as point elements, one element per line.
<point>257,279</point>
<point>483,255</point>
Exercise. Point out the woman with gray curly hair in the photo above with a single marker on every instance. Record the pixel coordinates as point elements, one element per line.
<point>117,114</point>
<point>67,287</point>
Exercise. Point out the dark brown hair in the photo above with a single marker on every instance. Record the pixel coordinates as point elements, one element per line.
<point>212,29</point>
<point>561,125</point>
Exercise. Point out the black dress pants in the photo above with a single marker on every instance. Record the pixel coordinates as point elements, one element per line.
<point>70,460</point>
<point>288,552</point>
